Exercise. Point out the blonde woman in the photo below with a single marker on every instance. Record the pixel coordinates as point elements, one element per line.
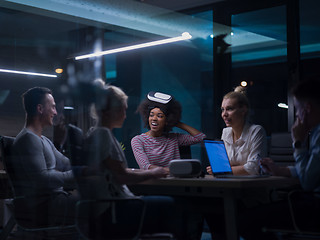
<point>245,142</point>
<point>106,155</point>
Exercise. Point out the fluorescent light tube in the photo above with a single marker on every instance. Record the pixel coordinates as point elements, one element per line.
<point>282,105</point>
<point>28,73</point>
<point>68,108</point>
<point>184,36</point>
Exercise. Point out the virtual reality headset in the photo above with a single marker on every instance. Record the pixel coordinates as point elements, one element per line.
<point>159,97</point>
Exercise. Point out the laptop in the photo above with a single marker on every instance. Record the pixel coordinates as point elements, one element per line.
<point>219,160</point>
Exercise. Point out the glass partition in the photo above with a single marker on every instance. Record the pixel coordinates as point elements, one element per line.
<point>259,57</point>
<point>42,37</point>
<point>38,37</point>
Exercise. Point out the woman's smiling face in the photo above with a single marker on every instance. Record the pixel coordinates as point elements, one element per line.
<point>157,120</point>
<point>232,113</point>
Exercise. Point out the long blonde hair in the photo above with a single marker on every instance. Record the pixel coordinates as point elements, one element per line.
<point>108,99</point>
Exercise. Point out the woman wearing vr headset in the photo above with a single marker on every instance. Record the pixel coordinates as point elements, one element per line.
<point>157,147</point>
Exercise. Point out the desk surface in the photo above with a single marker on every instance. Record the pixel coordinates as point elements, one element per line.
<point>210,181</point>
<point>209,185</point>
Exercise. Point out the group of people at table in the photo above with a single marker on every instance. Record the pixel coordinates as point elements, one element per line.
<point>43,170</point>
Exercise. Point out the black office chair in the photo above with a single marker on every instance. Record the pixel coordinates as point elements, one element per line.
<point>185,152</point>
<point>281,150</point>
<point>305,215</point>
<point>5,145</point>
<point>25,218</point>
<point>86,220</point>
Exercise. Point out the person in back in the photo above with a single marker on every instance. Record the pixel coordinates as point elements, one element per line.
<point>41,171</point>
<point>245,142</point>
<point>158,146</point>
<point>305,134</point>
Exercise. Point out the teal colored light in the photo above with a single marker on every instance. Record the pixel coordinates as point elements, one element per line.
<point>111,74</point>
<point>256,55</point>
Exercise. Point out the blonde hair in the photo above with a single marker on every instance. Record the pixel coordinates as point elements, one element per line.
<point>108,99</point>
<point>99,83</point>
<point>239,94</point>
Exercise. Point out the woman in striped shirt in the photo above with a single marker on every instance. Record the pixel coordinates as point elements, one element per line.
<point>158,146</point>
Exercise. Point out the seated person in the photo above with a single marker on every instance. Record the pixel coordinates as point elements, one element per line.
<point>307,168</point>
<point>41,171</point>
<point>244,141</point>
<point>106,155</point>
<point>159,146</point>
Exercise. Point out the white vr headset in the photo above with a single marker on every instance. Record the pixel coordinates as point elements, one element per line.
<point>185,168</point>
<point>159,97</point>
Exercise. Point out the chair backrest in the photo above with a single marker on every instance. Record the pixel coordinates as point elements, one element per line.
<point>185,152</point>
<point>281,150</point>
<point>75,140</point>
<point>6,144</point>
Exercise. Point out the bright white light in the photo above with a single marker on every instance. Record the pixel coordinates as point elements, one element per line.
<point>282,105</point>
<point>243,83</point>
<point>68,108</point>
<point>211,36</point>
<point>28,73</point>
<point>184,36</point>
<point>231,33</point>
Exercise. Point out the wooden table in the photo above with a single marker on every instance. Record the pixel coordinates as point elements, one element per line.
<point>228,189</point>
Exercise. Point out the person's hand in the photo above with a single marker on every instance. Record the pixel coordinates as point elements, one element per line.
<point>299,130</point>
<point>159,172</point>
<point>209,170</point>
<point>268,166</point>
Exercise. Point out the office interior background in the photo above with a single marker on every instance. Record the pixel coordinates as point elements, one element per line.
<point>268,44</point>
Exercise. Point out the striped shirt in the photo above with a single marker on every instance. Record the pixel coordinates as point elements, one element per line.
<point>160,151</point>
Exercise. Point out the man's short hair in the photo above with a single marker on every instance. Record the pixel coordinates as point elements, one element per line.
<point>307,90</point>
<point>32,97</point>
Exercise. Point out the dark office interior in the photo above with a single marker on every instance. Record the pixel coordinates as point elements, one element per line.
<point>269,44</point>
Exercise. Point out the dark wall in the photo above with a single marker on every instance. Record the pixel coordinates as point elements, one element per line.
<point>171,69</point>
<point>267,86</point>
<point>11,110</point>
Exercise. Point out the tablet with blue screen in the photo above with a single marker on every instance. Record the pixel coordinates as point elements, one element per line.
<point>219,160</point>
<point>218,157</point>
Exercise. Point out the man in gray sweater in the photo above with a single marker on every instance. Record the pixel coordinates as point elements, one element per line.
<point>40,169</point>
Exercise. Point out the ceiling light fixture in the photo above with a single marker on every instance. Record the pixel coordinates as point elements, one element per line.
<point>282,105</point>
<point>244,83</point>
<point>184,36</point>
<point>28,73</point>
<point>59,70</point>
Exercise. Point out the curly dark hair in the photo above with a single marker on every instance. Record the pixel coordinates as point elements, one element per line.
<point>171,110</point>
